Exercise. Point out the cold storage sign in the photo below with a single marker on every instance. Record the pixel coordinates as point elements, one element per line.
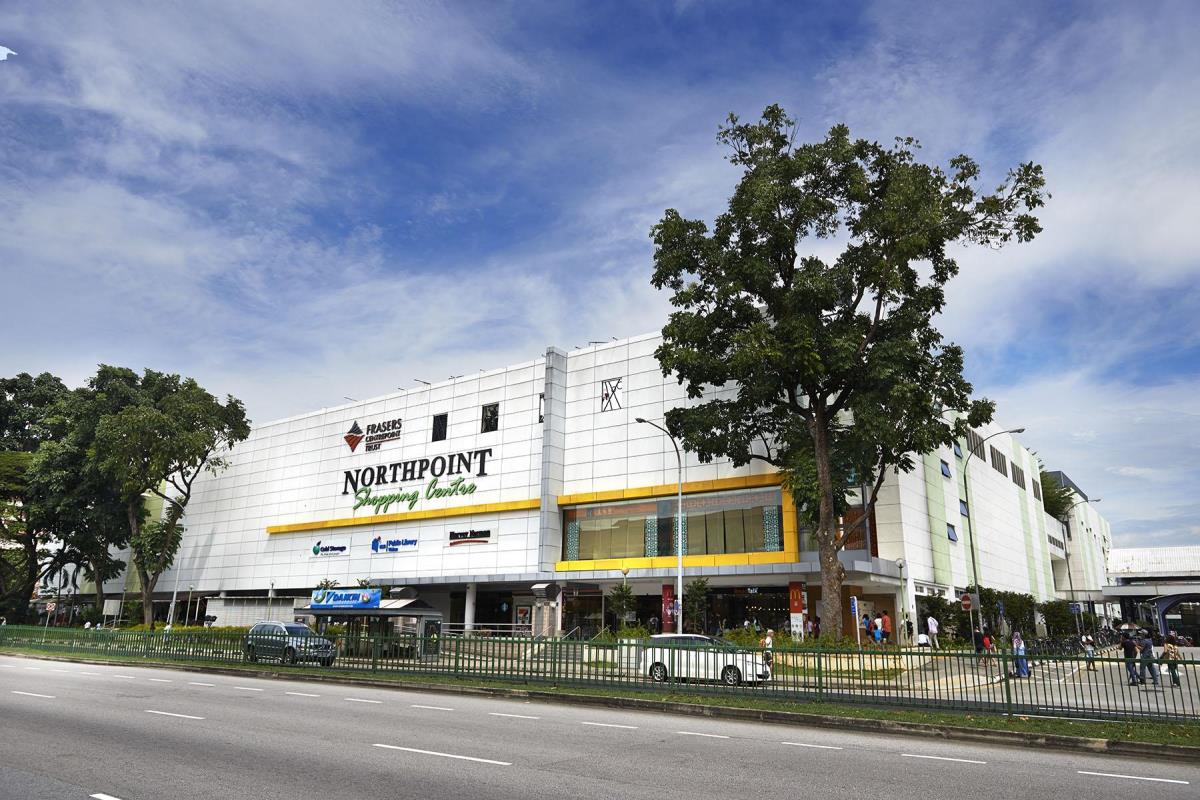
<point>325,548</point>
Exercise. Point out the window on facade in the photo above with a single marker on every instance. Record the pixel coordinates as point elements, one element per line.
<point>957,449</point>
<point>542,407</point>
<point>951,533</point>
<point>975,442</point>
<point>999,462</point>
<point>1018,476</point>
<point>491,418</point>
<point>717,523</point>
<point>439,427</point>
<point>1037,490</point>
<point>946,470</point>
<point>962,507</point>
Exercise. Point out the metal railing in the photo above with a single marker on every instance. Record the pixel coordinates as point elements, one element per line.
<point>1103,687</point>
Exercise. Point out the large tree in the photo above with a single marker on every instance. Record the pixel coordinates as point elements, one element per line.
<point>840,374</point>
<point>170,432</point>
<point>25,400</point>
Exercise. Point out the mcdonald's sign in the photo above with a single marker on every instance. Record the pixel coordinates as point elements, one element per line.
<point>797,595</point>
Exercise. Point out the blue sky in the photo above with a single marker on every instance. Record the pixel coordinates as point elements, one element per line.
<point>296,202</point>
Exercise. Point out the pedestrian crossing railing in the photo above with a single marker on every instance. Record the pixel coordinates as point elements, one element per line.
<point>1104,687</point>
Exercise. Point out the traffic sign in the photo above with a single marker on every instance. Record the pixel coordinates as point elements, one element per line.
<point>966,602</point>
<point>50,607</point>
<point>854,608</point>
<point>1076,608</point>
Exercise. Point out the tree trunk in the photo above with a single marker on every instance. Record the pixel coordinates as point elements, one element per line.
<point>147,583</point>
<point>99,588</point>
<point>831,568</point>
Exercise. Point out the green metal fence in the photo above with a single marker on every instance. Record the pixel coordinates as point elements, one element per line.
<point>1064,686</point>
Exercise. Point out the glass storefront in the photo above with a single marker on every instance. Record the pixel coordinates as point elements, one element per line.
<point>721,522</point>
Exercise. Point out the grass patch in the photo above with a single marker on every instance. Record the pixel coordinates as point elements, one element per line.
<point>1178,733</point>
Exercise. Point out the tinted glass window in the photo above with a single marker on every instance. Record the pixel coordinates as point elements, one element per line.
<point>491,418</point>
<point>439,427</point>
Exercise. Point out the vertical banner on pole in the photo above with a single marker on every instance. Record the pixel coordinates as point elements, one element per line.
<point>796,598</point>
<point>854,616</point>
<point>668,608</point>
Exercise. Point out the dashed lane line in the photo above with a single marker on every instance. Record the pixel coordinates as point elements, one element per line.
<point>361,700</point>
<point>445,755</point>
<point>162,680</point>
<point>610,725</point>
<point>126,677</point>
<point>197,683</point>
<point>33,668</point>
<point>1132,777</point>
<point>248,688</point>
<point>302,694</point>
<point>814,746</point>
<point>432,708</point>
<point>102,796</point>
<point>169,714</point>
<point>514,716</point>
<point>943,758</point>
<point>705,735</point>
<point>34,694</point>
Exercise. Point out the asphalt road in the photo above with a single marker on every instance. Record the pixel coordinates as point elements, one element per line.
<point>89,731</point>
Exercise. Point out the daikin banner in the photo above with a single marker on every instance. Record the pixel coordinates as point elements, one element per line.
<point>345,598</point>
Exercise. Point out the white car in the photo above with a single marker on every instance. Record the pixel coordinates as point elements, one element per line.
<point>688,656</point>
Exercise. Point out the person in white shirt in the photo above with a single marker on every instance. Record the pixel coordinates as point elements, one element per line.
<point>922,640</point>
<point>931,625</point>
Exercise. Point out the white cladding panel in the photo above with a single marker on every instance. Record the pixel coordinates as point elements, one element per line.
<point>294,471</point>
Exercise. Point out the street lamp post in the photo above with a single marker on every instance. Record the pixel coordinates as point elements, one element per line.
<point>1067,554</point>
<point>188,612</point>
<point>970,529</point>
<point>678,525</point>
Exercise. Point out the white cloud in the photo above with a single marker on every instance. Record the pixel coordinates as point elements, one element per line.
<point>5,53</point>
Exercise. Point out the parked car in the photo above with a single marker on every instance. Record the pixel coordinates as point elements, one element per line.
<point>686,656</point>
<point>289,642</point>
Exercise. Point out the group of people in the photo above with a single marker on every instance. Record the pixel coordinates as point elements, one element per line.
<point>878,630</point>
<point>1138,652</point>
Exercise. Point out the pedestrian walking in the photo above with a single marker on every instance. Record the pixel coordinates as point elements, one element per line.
<point>1089,651</point>
<point>886,626</point>
<point>980,645</point>
<point>1020,663</point>
<point>1145,647</point>
<point>931,625</point>
<point>1171,657</point>
<point>817,627</point>
<point>768,646</point>
<point>1129,653</point>
<point>868,634</point>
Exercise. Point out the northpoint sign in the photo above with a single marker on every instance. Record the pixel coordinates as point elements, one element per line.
<point>365,482</point>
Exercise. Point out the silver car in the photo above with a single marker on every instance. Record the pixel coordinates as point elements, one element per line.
<point>687,656</point>
<point>289,642</point>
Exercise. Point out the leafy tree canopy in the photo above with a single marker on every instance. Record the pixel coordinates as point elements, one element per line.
<point>829,368</point>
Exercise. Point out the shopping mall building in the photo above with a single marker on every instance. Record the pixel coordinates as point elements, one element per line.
<point>474,490</point>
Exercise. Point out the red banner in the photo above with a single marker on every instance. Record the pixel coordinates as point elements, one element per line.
<point>796,591</point>
<point>668,608</point>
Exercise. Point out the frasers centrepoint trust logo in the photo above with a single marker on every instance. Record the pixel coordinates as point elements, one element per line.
<point>376,434</point>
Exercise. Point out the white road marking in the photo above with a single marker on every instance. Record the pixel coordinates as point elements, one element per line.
<point>60,670</point>
<point>302,694</point>
<point>433,708</point>
<point>9,666</point>
<point>514,716</point>
<point>194,683</point>
<point>127,677</point>
<point>1132,777</point>
<point>34,668</point>
<point>248,688</point>
<point>817,746</point>
<point>169,714</point>
<point>93,674</point>
<point>34,694</point>
<point>610,725</point>
<point>445,755</point>
<point>102,796</point>
<point>1069,675</point>
<point>360,700</point>
<point>706,735</point>
<point>161,680</point>
<point>943,758</point>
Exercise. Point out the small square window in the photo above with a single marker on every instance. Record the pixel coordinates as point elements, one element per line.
<point>542,407</point>
<point>962,507</point>
<point>957,450</point>
<point>946,470</point>
<point>491,418</point>
<point>439,427</point>
<point>951,533</point>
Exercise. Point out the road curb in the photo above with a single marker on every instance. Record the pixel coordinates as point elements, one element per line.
<point>1170,752</point>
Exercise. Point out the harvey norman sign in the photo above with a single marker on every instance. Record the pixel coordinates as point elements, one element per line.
<point>448,476</point>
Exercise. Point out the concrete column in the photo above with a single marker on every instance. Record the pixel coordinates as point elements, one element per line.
<point>469,608</point>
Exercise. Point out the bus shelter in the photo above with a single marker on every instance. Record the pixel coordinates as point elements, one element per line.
<point>369,625</point>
